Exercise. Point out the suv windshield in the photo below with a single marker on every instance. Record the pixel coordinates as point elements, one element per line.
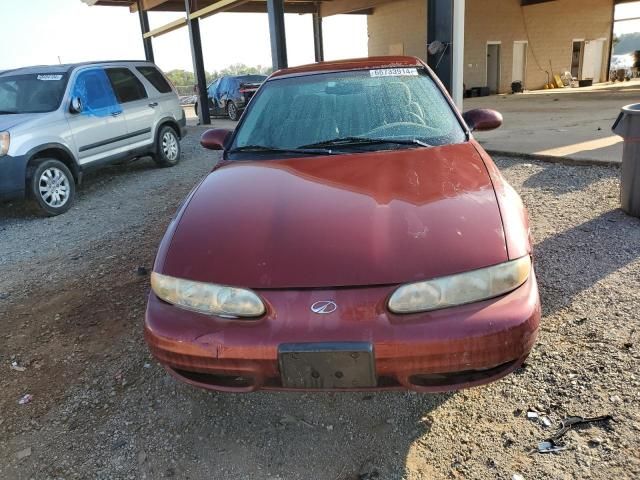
<point>31,93</point>
<point>348,111</point>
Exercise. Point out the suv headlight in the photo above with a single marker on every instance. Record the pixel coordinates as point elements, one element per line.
<point>4,143</point>
<point>207,298</point>
<point>461,288</point>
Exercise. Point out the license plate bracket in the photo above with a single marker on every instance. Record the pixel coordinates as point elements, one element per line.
<point>327,365</point>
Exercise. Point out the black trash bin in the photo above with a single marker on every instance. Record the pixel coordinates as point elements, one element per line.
<point>628,127</point>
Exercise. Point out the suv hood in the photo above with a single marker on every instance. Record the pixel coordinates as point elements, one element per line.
<point>350,220</point>
<point>8,121</point>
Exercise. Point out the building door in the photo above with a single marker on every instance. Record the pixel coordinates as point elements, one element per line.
<point>592,60</point>
<point>519,62</point>
<point>576,58</point>
<point>493,67</point>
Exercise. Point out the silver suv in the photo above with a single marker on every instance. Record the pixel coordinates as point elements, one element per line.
<point>57,122</point>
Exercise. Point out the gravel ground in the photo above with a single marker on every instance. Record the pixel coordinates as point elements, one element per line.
<point>71,307</point>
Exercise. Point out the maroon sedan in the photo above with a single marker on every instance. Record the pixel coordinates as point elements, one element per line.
<point>354,236</point>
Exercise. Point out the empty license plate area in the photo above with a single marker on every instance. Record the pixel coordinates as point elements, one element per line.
<point>327,365</point>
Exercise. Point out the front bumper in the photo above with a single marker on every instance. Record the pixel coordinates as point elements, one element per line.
<point>430,352</point>
<point>13,171</point>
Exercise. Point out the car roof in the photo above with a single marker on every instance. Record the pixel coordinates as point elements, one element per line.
<point>67,67</point>
<point>350,64</point>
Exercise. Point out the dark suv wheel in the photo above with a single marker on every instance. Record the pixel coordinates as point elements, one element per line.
<point>52,187</point>
<point>232,111</point>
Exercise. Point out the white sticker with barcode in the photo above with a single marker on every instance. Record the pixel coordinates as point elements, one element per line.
<point>394,72</point>
<point>49,77</point>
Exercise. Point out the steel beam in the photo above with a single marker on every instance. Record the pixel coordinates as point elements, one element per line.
<point>144,28</point>
<point>317,37</point>
<point>275,12</point>
<point>457,67</point>
<point>440,30</point>
<point>198,66</point>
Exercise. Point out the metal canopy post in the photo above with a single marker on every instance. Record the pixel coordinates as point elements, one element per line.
<point>275,12</point>
<point>317,37</point>
<point>457,68</point>
<point>440,30</point>
<point>144,28</point>
<point>445,38</point>
<point>198,66</point>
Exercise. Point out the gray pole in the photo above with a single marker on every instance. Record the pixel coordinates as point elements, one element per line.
<point>198,66</point>
<point>275,12</point>
<point>440,28</point>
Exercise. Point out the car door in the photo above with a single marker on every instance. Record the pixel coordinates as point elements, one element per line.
<point>218,96</point>
<point>225,91</point>
<point>139,110</point>
<point>160,90</point>
<point>99,127</point>
<point>211,93</point>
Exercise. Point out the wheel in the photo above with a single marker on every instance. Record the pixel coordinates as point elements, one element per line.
<point>52,187</point>
<point>168,147</point>
<point>232,111</point>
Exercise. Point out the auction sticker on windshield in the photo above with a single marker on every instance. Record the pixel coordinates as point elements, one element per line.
<point>394,72</point>
<point>50,77</point>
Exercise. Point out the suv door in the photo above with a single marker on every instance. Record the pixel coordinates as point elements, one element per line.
<point>164,94</point>
<point>212,90</point>
<point>226,90</point>
<point>100,127</point>
<point>139,110</point>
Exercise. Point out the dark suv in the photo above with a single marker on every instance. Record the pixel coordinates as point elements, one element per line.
<point>230,95</point>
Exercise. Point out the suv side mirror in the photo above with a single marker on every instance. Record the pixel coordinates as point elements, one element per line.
<point>76,105</point>
<point>482,119</point>
<point>215,139</point>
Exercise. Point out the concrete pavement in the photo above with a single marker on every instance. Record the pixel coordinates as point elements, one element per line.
<point>571,124</point>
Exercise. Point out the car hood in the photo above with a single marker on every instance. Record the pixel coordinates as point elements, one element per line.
<point>8,121</point>
<point>350,220</point>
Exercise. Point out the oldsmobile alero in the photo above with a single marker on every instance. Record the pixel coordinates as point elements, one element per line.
<point>353,236</point>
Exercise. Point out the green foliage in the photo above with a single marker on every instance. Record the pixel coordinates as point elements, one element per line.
<point>185,78</point>
<point>627,43</point>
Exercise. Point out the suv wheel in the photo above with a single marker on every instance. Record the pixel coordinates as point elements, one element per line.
<point>168,147</point>
<point>52,187</point>
<point>232,111</point>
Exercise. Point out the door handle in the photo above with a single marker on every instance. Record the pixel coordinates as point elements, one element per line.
<point>115,114</point>
<point>153,104</point>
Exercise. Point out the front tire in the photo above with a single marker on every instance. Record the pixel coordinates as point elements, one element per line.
<point>232,111</point>
<point>52,187</point>
<point>167,147</point>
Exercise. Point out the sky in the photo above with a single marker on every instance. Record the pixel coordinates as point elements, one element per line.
<point>37,32</point>
<point>627,10</point>
<point>41,31</point>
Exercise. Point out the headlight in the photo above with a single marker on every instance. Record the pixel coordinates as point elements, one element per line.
<point>461,288</point>
<point>4,143</point>
<point>207,297</point>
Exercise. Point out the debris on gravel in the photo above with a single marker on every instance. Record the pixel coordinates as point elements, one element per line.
<point>72,307</point>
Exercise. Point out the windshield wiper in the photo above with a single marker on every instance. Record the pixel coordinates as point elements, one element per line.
<point>7,112</point>
<point>266,149</point>
<point>348,141</point>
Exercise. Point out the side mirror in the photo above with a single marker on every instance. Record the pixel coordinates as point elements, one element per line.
<point>482,119</point>
<point>76,105</point>
<point>215,139</point>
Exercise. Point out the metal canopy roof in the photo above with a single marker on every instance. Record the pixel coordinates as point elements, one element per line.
<point>204,8</point>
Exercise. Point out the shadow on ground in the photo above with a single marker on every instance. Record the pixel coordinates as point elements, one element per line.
<point>346,436</point>
<point>583,259</point>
